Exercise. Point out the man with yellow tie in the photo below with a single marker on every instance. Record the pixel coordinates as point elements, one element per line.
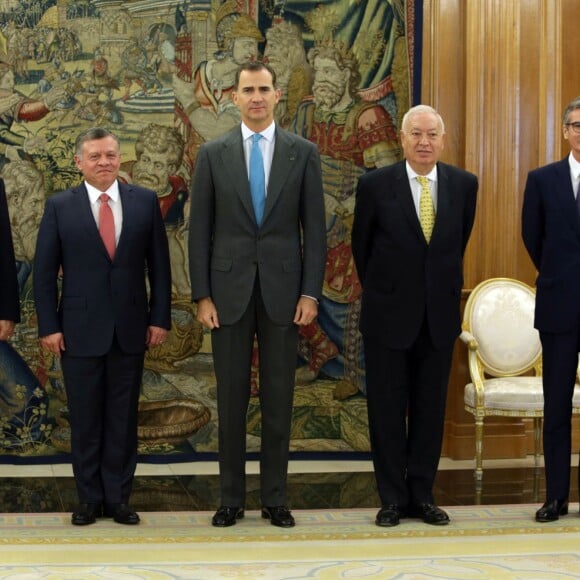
<point>411,226</point>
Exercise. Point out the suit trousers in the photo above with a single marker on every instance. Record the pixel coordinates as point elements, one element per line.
<point>232,351</point>
<point>406,397</point>
<point>560,363</point>
<point>103,398</point>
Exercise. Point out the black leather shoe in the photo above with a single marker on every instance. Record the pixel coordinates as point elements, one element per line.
<point>227,516</point>
<point>86,513</point>
<point>279,516</point>
<point>429,513</point>
<point>122,514</point>
<point>389,516</point>
<point>552,510</point>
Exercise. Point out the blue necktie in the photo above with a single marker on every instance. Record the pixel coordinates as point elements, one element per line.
<point>257,178</point>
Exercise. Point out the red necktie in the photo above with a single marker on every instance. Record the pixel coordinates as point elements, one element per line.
<point>107,225</point>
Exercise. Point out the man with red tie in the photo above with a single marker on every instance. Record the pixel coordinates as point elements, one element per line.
<point>108,240</point>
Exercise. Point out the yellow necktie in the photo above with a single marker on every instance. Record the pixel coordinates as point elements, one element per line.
<point>426,208</point>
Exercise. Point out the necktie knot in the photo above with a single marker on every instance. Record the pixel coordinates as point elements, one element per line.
<point>256,137</point>
<point>104,198</point>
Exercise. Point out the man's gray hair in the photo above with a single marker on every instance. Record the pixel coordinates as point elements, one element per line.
<point>420,109</point>
<point>572,106</point>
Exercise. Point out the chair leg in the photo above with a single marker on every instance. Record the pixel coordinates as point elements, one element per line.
<point>479,448</point>
<point>537,440</point>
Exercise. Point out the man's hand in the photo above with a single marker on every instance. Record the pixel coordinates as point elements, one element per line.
<point>207,313</point>
<point>6,329</point>
<point>306,311</point>
<point>155,335</point>
<point>53,343</point>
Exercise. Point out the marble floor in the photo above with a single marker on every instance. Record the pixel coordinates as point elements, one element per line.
<point>312,485</point>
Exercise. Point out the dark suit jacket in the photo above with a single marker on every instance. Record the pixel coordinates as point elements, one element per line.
<point>226,251</point>
<point>101,297</point>
<point>403,277</point>
<point>551,234</point>
<point>9,295</point>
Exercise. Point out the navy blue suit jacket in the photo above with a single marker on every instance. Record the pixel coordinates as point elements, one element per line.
<point>9,296</point>
<point>100,297</point>
<point>551,234</point>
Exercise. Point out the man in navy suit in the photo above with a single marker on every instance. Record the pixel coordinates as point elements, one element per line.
<point>551,234</point>
<point>104,318</point>
<point>9,296</point>
<point>411,270</point>
<point>255,274</point>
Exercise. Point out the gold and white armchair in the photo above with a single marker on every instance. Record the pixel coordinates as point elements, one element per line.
<point>505,358</point>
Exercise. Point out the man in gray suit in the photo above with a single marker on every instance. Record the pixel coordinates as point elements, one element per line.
<point>256,266</point>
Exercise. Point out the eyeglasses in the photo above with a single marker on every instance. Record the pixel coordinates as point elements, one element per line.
<point>574,126</point>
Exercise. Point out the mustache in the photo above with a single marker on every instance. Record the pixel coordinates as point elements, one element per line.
<point>325,84</point>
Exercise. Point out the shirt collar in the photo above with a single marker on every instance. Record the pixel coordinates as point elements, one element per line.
<point>267,133</point>
<point>94,193</point>
<point>432,175</point>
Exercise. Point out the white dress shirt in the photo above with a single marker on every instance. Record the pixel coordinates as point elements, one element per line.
<point>416,186</point>
<point>266,144</point>
<point>114,204</point>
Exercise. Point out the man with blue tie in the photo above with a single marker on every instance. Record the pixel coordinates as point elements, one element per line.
<point>108,241</point>
<point>551,234</point>
<point>257,250</point>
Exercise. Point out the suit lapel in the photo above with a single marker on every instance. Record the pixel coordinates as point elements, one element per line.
<point>564,193</point>
<point>284,156</point>
<point>86,217</point>
<point>127,196</point>
<point>234,162</point>
<point>405,198</point>
<point>444,198</point>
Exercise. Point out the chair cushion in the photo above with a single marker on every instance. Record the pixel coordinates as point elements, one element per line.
<point>502,320</point>
<point>513,394</point>
<point>509,394</point>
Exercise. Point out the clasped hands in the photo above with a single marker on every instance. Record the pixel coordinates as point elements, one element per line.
<point>306,312</point>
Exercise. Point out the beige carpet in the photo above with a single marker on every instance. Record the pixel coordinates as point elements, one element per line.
<point>482,542</point>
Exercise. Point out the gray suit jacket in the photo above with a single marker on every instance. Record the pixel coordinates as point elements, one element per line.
<point>227,248</point>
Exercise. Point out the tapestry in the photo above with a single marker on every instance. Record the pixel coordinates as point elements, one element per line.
<point>159,74</point>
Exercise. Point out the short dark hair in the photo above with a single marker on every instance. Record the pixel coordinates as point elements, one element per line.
<point>93,134</point>
<point>254,66</point>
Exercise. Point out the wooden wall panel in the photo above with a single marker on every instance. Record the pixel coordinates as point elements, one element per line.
<point>500,73</point>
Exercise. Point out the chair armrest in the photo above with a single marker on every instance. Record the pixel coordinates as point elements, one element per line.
<point>474,368</point>
<point>469,340</point>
